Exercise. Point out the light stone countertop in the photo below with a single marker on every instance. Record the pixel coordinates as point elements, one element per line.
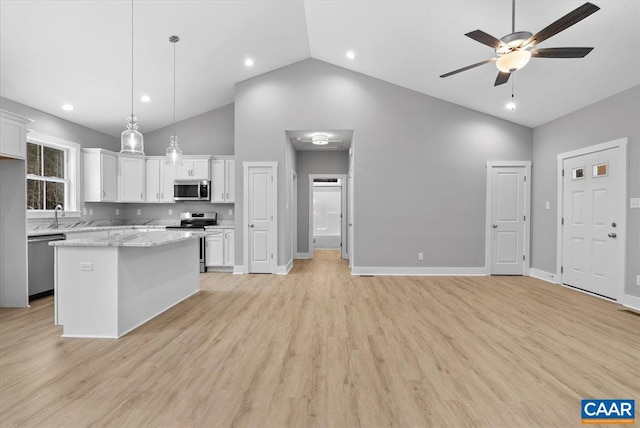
<point>139,239</point>
<point>71,230</point>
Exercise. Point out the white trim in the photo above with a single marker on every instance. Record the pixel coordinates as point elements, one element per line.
<point>304,256</point>
<point>527,212</point>
<point>543,275</point>
<point>240,270</point>
<point>274,210</point>
<point>419,271</point>
<point>632,302</point>
<point>620,143</point>
<point>283,270</point>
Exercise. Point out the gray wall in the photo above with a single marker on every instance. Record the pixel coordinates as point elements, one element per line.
<point>61,128</point>
<point>419,164</point>
<point>333,162</point>
<point>210,133</point>
<point>607,120</point>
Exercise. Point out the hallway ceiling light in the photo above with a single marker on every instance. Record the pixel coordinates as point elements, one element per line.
<point>248,62</point>
<point>67,107</point>
<point>320,139</point>
<point>351,54</point>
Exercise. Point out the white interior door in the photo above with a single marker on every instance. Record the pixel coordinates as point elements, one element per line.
<point>260,220</point>
<point>508,219</point>
<point>592,218</point>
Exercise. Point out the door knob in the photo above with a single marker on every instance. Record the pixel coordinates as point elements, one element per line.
<point>613,225</point>
<point>495,226</point>
<point>612,235</point>
<point>251,225</point>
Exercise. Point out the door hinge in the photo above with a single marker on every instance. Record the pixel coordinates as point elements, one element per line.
<point>525,178</point>
<point>525,218</point>
<point>341,244</point>
<point>271,256</point>
<point>272,178</point>
<point>563,172</point>
<point>271,217</point>
<point>561,269</point>
<point>562,222</point>
<point>523,257</point>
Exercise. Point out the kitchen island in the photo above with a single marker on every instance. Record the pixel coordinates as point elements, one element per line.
<point>107,286</point>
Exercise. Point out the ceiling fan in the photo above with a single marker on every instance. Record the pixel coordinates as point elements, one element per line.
<point>514,50</point>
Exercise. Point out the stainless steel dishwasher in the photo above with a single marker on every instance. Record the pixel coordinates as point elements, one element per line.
<point>41,265</point>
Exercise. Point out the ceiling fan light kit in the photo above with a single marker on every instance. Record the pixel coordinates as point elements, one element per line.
<point>515,50</point>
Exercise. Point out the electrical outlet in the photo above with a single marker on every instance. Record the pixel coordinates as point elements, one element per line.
<point>420,256</point>
<point>170,212</point>
<point>231,212</point>
<point>138,211</point>
<point>90,211</point>
<point>86,266</point>
<point>546,205</point>
<point>117,211</point>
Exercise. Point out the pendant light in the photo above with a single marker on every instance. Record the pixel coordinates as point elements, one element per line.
<point>131,140</point>
<point>174,154</point>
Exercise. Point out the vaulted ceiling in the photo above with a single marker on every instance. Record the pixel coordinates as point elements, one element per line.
<point>79,52</point>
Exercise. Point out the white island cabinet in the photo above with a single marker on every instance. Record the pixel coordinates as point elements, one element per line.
<point>107,286</point>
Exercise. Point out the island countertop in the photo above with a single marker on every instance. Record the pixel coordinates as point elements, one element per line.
<point>139,239</point>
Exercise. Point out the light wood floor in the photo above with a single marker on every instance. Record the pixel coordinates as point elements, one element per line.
<point>319,347</point>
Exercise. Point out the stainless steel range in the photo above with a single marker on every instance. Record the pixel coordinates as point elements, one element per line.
<point>195,223</point>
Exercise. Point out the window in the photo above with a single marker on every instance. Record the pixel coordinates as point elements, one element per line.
<point>52,168</point>
<point>46,177</point>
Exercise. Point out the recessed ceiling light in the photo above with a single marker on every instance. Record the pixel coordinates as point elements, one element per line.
<point>351,54</point>
<point>248,62</point>
<point>67,107</point>
<point>511,106</point>
<point>145,98</point>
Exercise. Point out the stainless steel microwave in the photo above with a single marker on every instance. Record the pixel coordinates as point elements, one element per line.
<point>192,190</point>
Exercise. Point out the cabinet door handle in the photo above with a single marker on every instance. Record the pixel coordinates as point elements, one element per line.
<point>222,196</point>
<point>140,195</point>
<point>162,195</point>
<point>227,196</point>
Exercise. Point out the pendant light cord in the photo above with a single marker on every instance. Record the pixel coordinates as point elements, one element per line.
<point>132,59</point>
<point>174,88</point>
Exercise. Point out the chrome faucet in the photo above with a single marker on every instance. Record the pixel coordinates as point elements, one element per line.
<point>55,215</point>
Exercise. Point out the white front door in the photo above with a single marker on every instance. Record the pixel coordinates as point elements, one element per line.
<point>508,219</point>
<point>260,220</point>
<point>592,190</point>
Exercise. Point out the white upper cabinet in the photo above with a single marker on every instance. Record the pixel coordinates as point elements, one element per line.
<point>13,135</point>
<point>131,178</point>
<point>196,168</point>
<point>100,175</point>
<point>223,181</point>
<point>160,177</point>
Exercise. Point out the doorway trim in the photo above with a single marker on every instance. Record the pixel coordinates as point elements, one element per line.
<point>294,213</point>
<point>527,210</point>
<point>343,213</point>
<point>621,144</point>
<point>245,213</point>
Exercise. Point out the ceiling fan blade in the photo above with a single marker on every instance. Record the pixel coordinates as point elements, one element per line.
<point>502,78</point>
<point>469,67</point>
<point>563,23</point>
<point>560,52</point>
<point>485,39</point>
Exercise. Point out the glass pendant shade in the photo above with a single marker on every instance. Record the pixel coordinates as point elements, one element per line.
<point>174,153</point>
<point>513,61</point>
<point>131,140</point>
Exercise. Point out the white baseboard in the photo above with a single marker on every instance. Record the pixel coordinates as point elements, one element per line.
<point>418,271</point>
<point>543,275</point>
<point>283,270</point>
<point>239,270</point>
<point>304,256</point>
<point>631,302</point>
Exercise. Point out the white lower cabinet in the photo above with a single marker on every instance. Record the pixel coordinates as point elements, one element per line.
<point>220,248</point>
